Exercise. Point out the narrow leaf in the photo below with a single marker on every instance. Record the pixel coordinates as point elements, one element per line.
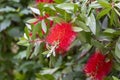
<point>117,11</point>
<point>66,6</point>
<point>91,22</point>
<point>29,50</point>
<point>103,12</point>
<point>32,20</point>
<point>115,78</point>
<point>36,50</point>
<point>44,27</point>
<point>104,3</point>
<point>77,29</point>
<point>35,10</point>
<point>117,49</point>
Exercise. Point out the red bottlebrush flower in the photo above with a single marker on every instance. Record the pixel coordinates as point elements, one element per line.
<point>98,66</point>
<point>44,1</point>
<point>63,34</point>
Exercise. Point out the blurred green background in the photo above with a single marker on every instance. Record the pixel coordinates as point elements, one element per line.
<point>13,14</point>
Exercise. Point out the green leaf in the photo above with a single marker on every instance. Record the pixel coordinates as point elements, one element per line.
<point>49,9</point>
<point>36,49</point>
<point>36,29</point>
<point>66,6</point>
<point>115,78</point>
<point>112,17</point>
<point>1,17</point>
<point>117,11</point>
<point>45,77</point>
<point>25,12</point>
<point>40,77</point>
<point>19,76</point>
<point>29,50</point>
<point>117,5</point>
<point>59,1</point>
<point>91,22</point>
<point>26,32</point>
<point>97,44</point>
<point>14,32</point>
<point>49,77</point>
<point>83,26</point>
<point>7,9</point>
<point>103,12</point>
<point>49,71</point>
<point>66,16</point>
<point>3,25</point>
<point>77,29</point>
<point>21,55</point>
<point>45,52</point>
<point>32,20</point>
<point>59,61</point>
<point>84,6</point>
<point>23,42</point>
<point>26,66</point>
<point>75,8</point>
<point>117,49</point>
<point>16,1</point>
<point>109,30</point>
<point>35,10</point>
<point>104,3</point>
<point>28,26</point>
<point>59,10</point>
<point>67,69</point>
<point>116,65</point>
<point>95,5</point>
<point>57,19</point>
<point>44,27</point>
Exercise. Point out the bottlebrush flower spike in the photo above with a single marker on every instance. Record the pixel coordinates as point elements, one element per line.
<point>98,66</point>
<point>44,1</point>
<point>63,34</point>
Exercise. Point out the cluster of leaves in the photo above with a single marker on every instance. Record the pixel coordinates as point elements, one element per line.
<point>13,14</point>
<point>97,24</point>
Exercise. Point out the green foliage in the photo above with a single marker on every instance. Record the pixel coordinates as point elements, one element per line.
<point>97,25</point>
<point>13,14</point>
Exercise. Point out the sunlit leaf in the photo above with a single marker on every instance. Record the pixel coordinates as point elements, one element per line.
<point>32,20</point>
<point>115,78</point>
<point>117,48</point>
<point>103,12</point>
<point>35,10</point>
<point>104,3</point>
<point>44,27</point>
<point>77,29</point>
<point>91,22</point>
